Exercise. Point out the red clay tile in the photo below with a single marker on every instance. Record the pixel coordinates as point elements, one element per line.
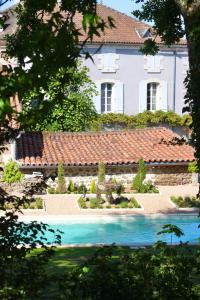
<point>121,147</point>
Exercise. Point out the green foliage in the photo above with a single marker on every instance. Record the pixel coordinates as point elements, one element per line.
<point>134,203</point>
<point>101,172</point>
<point>193,167</point>
<point>124,204</point>
<point>141,120</point>
<point>82,189</point>
<point>11,172</point>
<point>71,186</point>
<point>152,273</point>
<point>114,180</point>
<point>94,203</point>
<point>186,201</point>
<point>39,203</point>
<point>149,187</point>
<point>120,189</point>
<point>61,184</point>
<point>137,184</point>
<point>22,274</point>
<point>51,190</point>
<point>81,202</point>
<point>93,187</point>
<point>172,21</point>
<point>75,112</point>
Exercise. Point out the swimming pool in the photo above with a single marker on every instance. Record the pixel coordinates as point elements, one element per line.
<point>124,230</point>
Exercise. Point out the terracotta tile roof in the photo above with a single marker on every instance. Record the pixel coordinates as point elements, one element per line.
<point>122,147</point>
<point>128,30</point>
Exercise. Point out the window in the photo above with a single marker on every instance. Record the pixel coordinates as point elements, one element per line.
<point>106,97</point>
<point>152,95</point>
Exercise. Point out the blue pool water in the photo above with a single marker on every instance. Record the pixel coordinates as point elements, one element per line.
<point>125,230</point>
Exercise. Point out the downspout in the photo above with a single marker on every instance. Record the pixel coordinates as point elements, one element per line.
<point>174,82</point>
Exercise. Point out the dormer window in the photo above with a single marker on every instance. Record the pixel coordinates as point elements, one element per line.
<point>144,33</point>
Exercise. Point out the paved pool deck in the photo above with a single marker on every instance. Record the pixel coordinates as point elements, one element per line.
<point>58,205</point>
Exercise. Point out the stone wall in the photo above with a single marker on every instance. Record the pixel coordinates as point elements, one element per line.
<point>172,175</point>
<point>162,175</point>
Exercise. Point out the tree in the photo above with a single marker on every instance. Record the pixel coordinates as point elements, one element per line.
<point>174,19</point>
<point>12,173</point>
<point>75,112</point>
<point>46,41</point>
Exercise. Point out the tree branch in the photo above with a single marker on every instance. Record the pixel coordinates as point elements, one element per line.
<point>2,2</point>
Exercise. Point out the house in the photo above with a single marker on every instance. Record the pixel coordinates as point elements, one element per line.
<point>127,81</point>
<point>166,159</point>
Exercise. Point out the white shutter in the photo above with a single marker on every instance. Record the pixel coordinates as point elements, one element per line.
<point>163,96</point>
<point>119,97</point>
<point>143,96</point>
<point>97,99</point>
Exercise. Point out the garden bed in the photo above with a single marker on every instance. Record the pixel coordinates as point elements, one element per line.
<point>120,202</point>
<point>185,202</point>
<point>36,203</point>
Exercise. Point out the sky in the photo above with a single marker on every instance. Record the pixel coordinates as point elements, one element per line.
<point>125,6</point>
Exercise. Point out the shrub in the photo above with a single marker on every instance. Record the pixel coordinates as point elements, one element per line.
<point>193,167</point>
<point>93,203</point>
<point>71,187</point>
<point>11,172</point>
<point>61,185</point>
<point>26,205</point>
<point>124,204</point>
<point>137,184</point>
<point>134,203</point>
<point>93,187</point>
<point>51,190</point>
<point>149,187</point>
<point>185,202</point>
<point>114,180</point>
<point>101,172</point>
<point>120,189</point>
<point>108,206</point>
<point>141,120</point>
<point>82,189</point>
<point>39,202</point>
<point>81,202</point>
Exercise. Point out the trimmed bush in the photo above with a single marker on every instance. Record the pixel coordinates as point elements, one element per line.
<point>82,189</point>
<point>81,202</point>
<point>134,203</point>
<point>51,190</point>
<point>137,184</point>
<point>11,172</point>
<point>101,172</point>
<point>124,204</point>
<point>94,203</point>
<point>186,201</point>
<point>71,187</point>
<point>93,187</point>
<point>120,189</point>
<point>61,185</point>
<point>39,202</point>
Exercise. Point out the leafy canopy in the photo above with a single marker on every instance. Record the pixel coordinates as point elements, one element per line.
<point>11,172</point>
<point>73,112</point>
